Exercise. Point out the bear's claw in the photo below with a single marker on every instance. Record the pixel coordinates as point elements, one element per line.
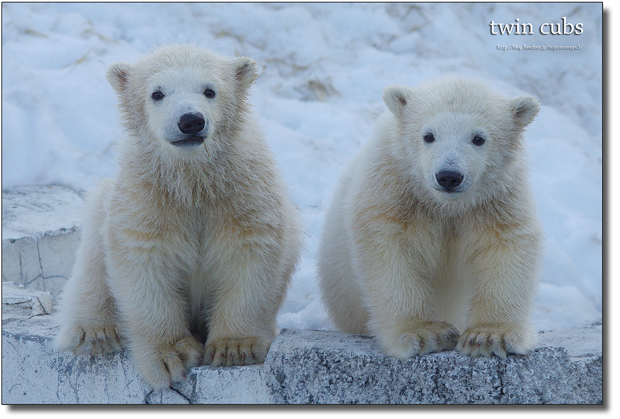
<point>231,352</point>
<point>89,340</point>
<point>422,338</point>
<point>172,362</point>
<point>493,339</point>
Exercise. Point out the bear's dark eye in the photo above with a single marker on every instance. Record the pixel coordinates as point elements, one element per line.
<point>429,138</point>
<point>210,94</point>
<point>157,95</point>
<point>478,140</point>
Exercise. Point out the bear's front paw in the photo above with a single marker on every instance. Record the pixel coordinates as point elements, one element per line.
<point>169,362</point>
<point>496,339</point>
<point>422,338</point>
<point>242,351</point>
<point>89,340</point>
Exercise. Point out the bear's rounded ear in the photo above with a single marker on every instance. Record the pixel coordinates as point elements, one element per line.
<point>118,76</point>
<point>245,71</point>
<point>396,98</point>
<point>524,109</point>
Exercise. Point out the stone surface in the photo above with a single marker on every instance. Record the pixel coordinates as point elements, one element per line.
<point>334,368</point>
<point>28,302</point>
<point>33,372</point>
<point>40,235</point>
<point>303,366</point>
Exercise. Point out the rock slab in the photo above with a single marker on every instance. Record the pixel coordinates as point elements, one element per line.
<point>304,367</point>
<point>40,236</point>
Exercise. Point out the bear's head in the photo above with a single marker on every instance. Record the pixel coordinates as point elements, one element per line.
<point>180,96</point>
<point>461,140</point>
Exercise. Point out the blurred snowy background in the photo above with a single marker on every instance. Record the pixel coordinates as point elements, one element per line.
<point>323,68</point>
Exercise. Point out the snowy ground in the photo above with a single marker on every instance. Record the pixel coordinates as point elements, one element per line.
<point>323,69</point>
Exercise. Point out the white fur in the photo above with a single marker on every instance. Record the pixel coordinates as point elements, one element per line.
<point>414,265</point>
<point>186,244</point>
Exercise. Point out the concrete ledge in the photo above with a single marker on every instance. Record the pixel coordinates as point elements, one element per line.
<point>304,366</point>
<point>335,368</point>
<point>25,301</point>
<point>33,372</point>
<point>40,235</point>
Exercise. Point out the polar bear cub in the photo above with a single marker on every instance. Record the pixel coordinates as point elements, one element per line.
<point>433,229</point>
<point>187,254</point>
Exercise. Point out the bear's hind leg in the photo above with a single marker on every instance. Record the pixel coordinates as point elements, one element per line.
<point>88,323</point>
<point>87,315</point>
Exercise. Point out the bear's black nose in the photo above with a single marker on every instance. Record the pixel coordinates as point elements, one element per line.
<point>191,123</point>
<point>449,180</point>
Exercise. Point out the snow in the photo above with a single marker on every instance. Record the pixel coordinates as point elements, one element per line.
<point>323,69</point>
